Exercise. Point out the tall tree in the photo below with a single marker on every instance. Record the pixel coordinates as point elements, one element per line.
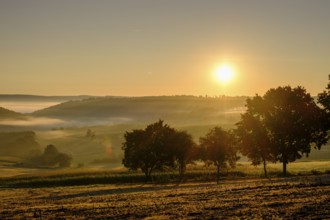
<point>253,136</point>
<point>293,123</point>
<point>149,148</point>
<point>219,147</point>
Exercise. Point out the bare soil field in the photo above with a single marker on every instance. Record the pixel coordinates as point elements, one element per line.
<point>280,198</point>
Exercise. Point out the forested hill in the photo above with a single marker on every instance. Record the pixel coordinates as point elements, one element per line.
<point>177,109</point>
<point>6,114</point>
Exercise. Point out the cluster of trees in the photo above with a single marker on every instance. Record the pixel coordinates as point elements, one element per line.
<point>281,126</point>
<point>50,158</point>
<point>159,147</point>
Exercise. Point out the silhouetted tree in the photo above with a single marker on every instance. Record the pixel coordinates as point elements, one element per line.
<point>219,147</point>
<point>253,136</point>
<point>293,123</point>
<point>184,149</point>
<point>149,149</point>
<point>324,100</point>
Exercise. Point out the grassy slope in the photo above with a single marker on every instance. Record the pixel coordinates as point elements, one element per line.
<point>6,114</point>
<point>17,144</point>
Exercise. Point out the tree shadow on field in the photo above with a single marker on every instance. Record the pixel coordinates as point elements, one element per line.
<point>256,183</point>
<point>127,190</point>
<point>319,209</point>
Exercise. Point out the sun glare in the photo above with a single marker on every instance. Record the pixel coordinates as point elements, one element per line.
<point>224,73</point>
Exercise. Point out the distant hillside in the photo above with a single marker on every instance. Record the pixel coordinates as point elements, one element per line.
<point>36,98</point>
<point>173,109</point>
<point>6,114</point>
<point>30,103</point>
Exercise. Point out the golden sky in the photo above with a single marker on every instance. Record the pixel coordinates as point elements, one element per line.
<point>162,47</point>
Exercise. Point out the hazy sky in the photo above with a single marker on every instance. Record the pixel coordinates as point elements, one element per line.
<point>162,47</point>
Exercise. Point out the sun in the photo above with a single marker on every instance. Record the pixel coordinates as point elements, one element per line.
<point>224,73</point>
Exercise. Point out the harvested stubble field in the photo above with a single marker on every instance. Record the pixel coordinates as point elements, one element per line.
<point>280,198</point>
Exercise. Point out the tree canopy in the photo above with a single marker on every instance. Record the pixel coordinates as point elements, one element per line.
<point>156,147</point>
<point>149,148</point>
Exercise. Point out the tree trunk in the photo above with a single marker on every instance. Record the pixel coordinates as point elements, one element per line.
<point>147,173</point>
<point>284,167</point>
<point>218,173</point>
<point>182,168</point>
<point>265,168</point>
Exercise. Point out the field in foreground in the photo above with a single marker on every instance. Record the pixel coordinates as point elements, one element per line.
<point>286,198</point>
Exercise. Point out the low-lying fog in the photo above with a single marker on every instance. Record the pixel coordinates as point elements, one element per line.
<point>26,106</point>
<point>48,123</point>
<point>32,122</point>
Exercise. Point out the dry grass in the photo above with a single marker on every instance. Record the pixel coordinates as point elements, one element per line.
<point>279,198</point>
